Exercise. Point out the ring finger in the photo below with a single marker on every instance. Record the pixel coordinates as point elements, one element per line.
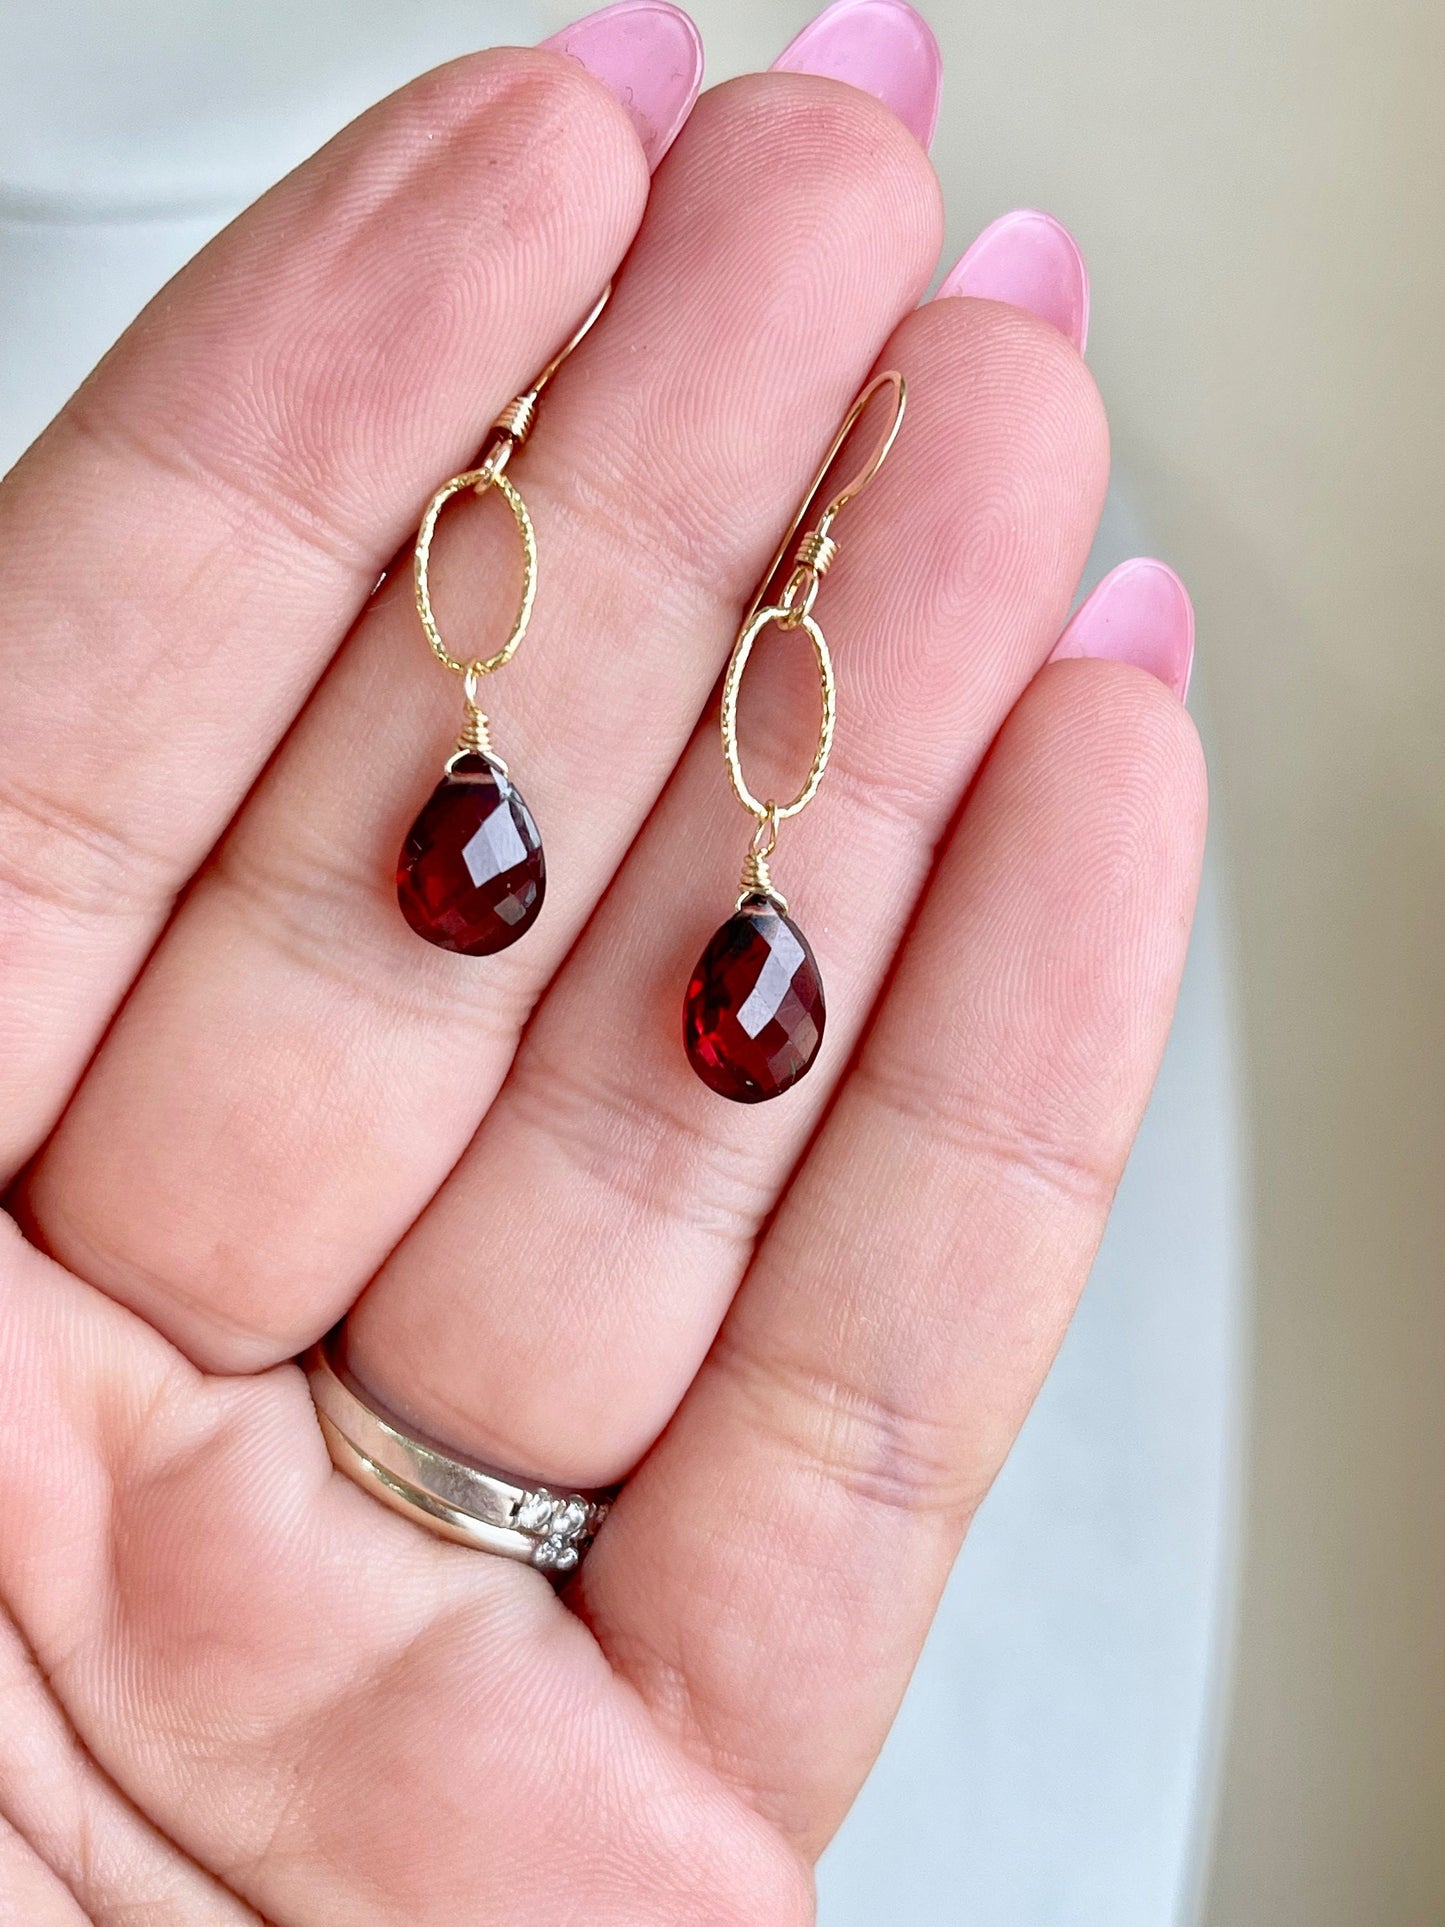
<point>911,1292</point>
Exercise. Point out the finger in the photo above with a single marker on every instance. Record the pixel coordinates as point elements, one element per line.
<point>345,1720</point>
<point>297,1073</point>
<point>644,1191</point>
<point>768,1576</point>
<point>29,1891</point>
<point>112,1862</point>
<point>181,550</point>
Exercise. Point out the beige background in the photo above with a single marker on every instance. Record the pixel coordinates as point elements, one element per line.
<point>1260,192</point>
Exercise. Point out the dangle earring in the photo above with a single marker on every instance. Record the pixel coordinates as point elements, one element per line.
<point>471,875</point>
<point>753,1016</point>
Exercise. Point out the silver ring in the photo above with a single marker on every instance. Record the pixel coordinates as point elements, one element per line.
<point>449,1495</point>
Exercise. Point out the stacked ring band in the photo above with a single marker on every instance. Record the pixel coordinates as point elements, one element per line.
<point>449,1495</point>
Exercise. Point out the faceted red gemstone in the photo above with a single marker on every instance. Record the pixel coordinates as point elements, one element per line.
<point>753,1018</point>
<point>471,876</point>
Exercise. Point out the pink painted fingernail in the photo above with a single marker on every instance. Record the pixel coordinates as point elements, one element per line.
<point>650,55</point>
<point>1140,613</point>
<point>882,46</point>
<point>1031,261</point>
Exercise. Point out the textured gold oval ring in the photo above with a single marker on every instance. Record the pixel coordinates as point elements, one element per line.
<point>742,649</point>
<point>487,479</point>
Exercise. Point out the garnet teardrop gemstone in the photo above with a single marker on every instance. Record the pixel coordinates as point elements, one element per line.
<point>753,1018</point>
<point>471,876</point>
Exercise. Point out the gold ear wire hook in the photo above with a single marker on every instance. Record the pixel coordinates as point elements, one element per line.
<point>578,336</point>
<point>819,538</point>
<point>514,424</point>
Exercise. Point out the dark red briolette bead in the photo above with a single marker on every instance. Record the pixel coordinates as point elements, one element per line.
<point>753,1017</point>
<point>471,876</point>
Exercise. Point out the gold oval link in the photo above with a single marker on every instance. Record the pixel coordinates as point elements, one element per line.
<point>732,684</point>
<point>489,478</point>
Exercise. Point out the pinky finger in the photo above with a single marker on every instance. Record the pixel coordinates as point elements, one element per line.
<point>770,1573</point>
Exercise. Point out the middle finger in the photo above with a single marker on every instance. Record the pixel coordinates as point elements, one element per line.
<point>555,1301</point>
<point>295,1072</point>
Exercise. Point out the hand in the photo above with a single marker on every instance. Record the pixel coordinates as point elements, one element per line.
<point>805,1332</point>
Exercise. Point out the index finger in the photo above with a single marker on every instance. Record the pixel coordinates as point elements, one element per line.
<point>182,549</point>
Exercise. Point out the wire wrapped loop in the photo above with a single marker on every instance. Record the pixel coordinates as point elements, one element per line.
<point>515,420</point>
<point>475,738</point>
<point>817,552</point>
<point>757,879</point>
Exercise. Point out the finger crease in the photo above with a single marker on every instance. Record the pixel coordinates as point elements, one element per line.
<point>294,518</point>
<point>298,918</point>
<point>1023,1155</point>
<point>659,1161</point>
<point>77,862</point>
<point>864,1442</point>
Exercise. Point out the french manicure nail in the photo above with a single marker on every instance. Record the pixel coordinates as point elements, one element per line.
<point>882,46</point>
<point>1140,613</point>
<point>1028,260</point>
<point>647,53</point>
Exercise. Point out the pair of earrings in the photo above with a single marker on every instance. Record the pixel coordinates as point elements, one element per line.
<point>471,876</point>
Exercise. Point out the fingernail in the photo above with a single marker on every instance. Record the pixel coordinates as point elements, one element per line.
<point>882,46</point>
<point>649,55</point>
<point>1031,261</point>
<point>1140,613</point>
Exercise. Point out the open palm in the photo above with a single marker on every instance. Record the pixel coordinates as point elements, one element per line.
<point>237,1095</point>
